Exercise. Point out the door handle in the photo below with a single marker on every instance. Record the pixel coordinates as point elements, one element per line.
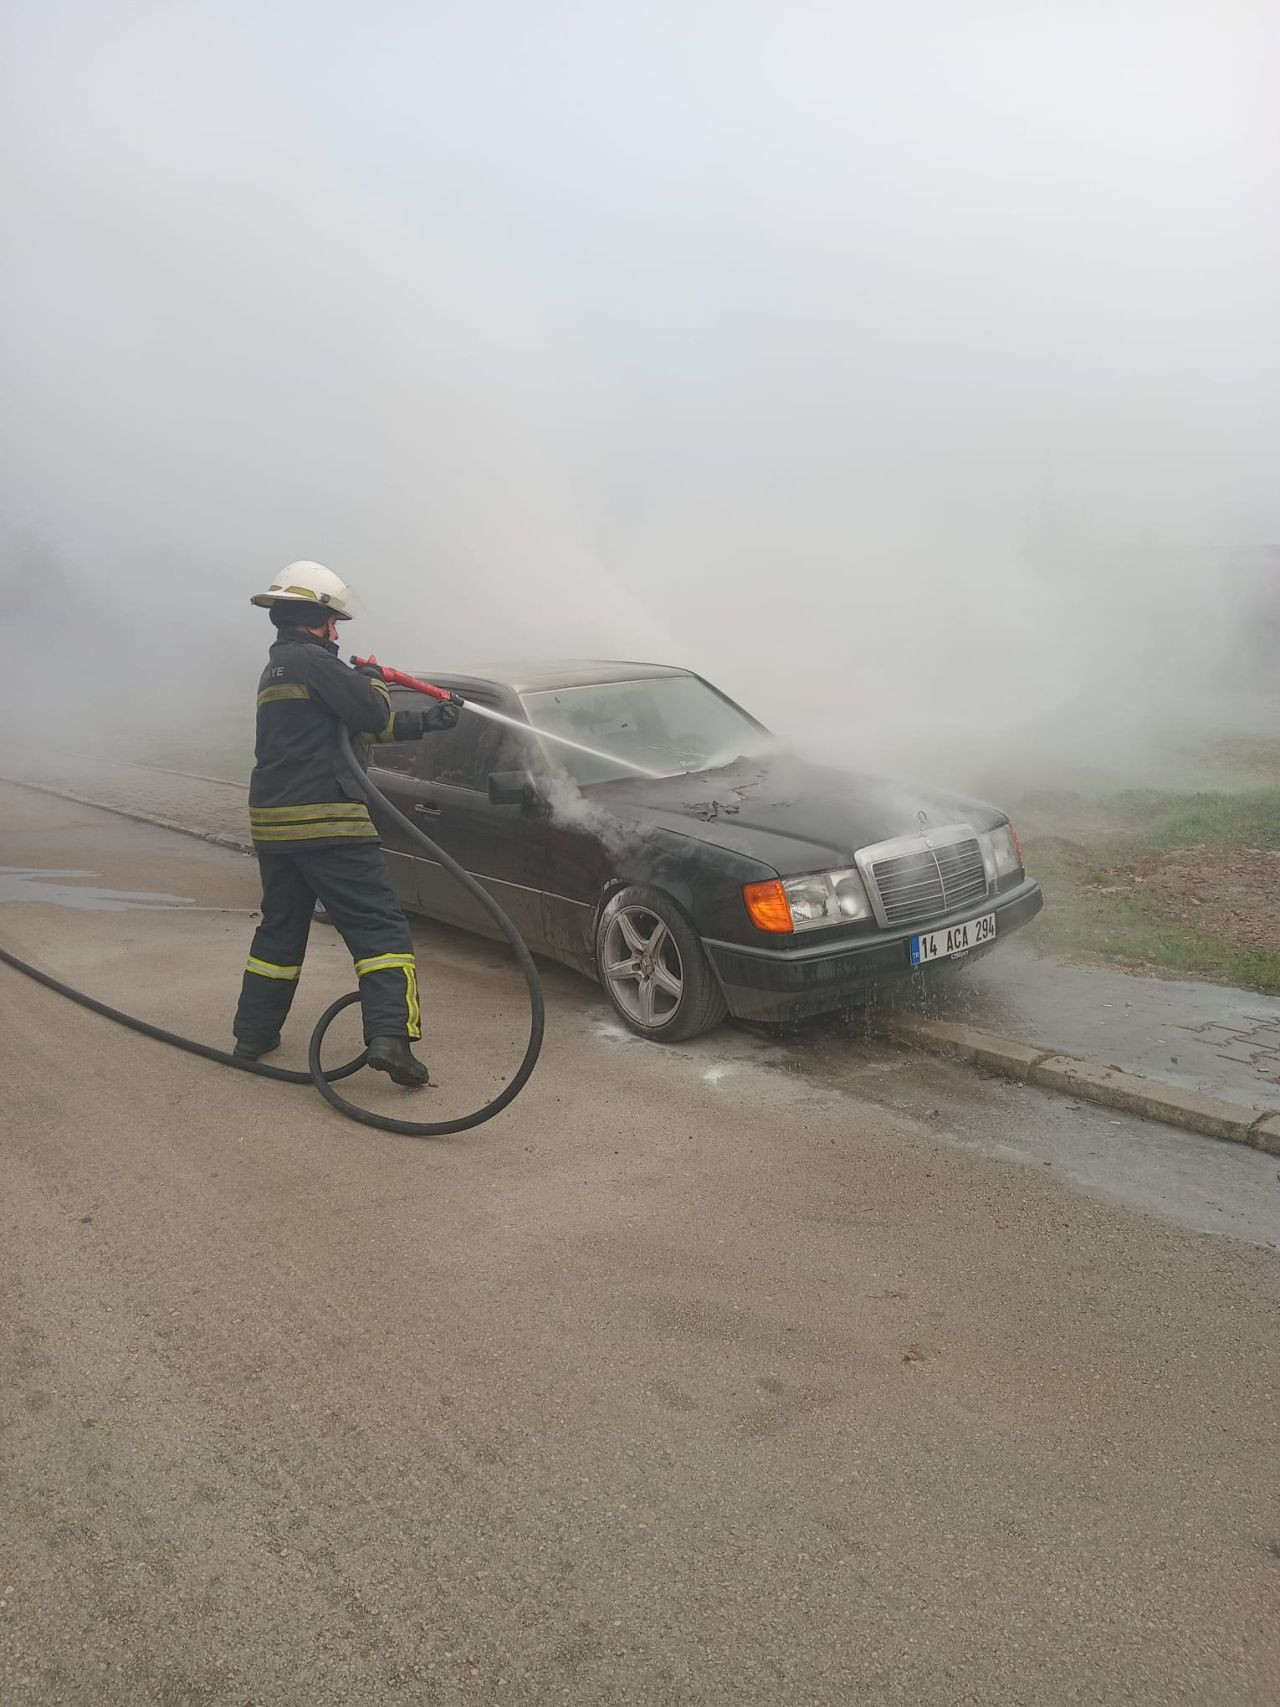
<point>426,811</point>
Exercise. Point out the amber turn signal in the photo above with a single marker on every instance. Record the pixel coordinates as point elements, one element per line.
<point>768,906</point>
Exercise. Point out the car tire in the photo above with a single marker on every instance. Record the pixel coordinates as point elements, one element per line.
<point>667,992</point>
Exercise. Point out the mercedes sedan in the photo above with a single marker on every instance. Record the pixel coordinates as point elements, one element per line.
<point>638,825</point>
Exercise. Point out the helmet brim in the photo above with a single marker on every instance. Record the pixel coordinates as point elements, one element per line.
<point>265,601</point>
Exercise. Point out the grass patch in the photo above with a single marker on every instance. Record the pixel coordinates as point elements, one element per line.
<point>1250,819</point>
<point>1129,929</point>
<point>1079,846</point>
<point>1150,820</point>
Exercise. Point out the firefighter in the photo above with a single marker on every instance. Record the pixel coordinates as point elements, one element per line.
<point>312,831</point>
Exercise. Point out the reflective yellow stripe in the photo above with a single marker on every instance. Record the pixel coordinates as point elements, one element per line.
<point>387,732</point>
<point>382,963</point>
<point>265,969</point>
<point>300,593</point>
<point>320,831</point>
<point>284,690</point>
<point>393,963</point>
<point>415,1009</point>
<point>300,814</point>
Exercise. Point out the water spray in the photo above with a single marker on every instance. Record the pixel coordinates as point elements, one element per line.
<point>398,678</point>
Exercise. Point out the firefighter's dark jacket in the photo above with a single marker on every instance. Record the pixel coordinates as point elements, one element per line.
<point>298,793</point>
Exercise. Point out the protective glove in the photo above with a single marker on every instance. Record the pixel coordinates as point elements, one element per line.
<point>443,715</point>
<point>412,725</point>
<point>374,670</point>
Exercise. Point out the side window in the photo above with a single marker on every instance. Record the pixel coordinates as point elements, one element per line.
<point>466,755</point>
<point>400,756</point>
<point>459,756</point>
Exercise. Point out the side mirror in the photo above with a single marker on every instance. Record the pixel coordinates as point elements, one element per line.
<point>512,788</point>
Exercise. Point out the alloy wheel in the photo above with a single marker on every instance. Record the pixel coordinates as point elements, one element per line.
<point>643,966</point>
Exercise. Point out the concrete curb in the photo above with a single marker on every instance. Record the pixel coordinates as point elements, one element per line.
<point>1110,1087</point>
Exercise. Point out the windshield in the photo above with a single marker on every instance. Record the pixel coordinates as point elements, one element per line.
<point>665,724</point>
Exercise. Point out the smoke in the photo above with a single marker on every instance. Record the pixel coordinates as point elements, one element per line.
<point>568,808</point>
<point>909,371</point>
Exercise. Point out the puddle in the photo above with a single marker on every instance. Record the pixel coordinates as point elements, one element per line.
<point>17,883</point>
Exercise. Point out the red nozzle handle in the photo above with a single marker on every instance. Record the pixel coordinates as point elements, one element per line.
<point>398,679</point>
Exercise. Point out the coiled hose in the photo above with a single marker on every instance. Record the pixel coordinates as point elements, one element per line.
<point>316,1075</point>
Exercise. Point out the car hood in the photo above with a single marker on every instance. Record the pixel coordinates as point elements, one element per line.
<point>793,815</point>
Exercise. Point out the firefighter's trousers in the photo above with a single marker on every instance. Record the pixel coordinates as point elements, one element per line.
<point>351,879</point>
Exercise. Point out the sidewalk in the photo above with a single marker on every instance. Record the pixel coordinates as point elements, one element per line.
<point>1222,1042</point>
<point>1200,1037</point>
<point>219,810</point>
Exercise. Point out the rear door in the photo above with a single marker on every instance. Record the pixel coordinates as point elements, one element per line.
<point>451,803</point>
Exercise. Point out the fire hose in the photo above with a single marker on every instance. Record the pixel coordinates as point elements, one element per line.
<point>316,1074</point>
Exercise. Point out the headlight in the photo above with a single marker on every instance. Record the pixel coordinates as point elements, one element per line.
<point>829,898</point>
<point>1001,853</point>
<point>805,903</point>
<point>808,898</point>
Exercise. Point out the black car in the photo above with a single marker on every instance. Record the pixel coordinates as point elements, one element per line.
<point>638,825</point>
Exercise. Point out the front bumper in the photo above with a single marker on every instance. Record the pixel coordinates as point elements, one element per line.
<point>778,985</point>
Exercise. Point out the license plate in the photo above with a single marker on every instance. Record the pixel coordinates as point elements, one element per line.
<point>955,939</point>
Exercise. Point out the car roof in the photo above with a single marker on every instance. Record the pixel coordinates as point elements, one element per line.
<point>539,677</point>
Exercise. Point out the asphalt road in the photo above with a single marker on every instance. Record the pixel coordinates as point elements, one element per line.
<point>722,1374</point>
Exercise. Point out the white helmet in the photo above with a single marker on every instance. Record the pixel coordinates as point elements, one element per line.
<point>310,582</point>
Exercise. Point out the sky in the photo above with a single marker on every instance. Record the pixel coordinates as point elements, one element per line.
<point>891,364</point>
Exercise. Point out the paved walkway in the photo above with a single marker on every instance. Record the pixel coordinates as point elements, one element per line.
<point>191,802</point>
<point>1203,1037</point>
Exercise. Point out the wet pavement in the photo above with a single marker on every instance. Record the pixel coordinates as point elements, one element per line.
<point>1204,1037</point>
<point>20,884</point>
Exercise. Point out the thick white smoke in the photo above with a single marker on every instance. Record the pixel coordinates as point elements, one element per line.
<point>913,373</point>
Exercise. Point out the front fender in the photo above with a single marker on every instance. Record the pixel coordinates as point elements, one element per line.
<point>705,882</point>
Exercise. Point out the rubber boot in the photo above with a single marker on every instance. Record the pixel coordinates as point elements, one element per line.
<point>393,1056</point>
<point>251,1051</point>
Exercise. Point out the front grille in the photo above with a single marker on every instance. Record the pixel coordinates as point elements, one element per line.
<point>930,881</point>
